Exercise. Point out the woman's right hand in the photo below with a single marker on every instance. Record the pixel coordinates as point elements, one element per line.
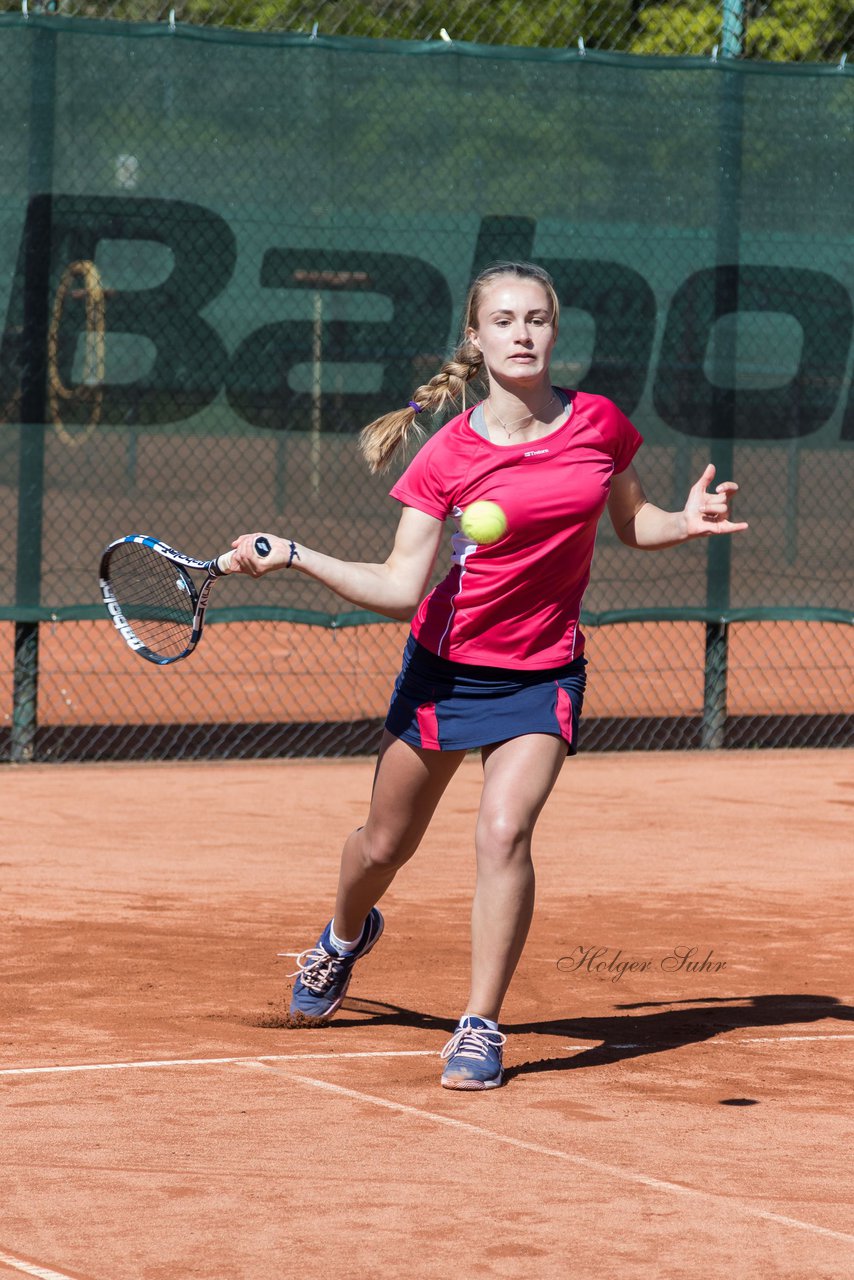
<point>245,557</point>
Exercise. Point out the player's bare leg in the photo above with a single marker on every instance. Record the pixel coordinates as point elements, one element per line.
<point>518,778</point>
<point>408,785</point>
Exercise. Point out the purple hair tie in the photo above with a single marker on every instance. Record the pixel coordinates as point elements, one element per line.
<point>416,407</point>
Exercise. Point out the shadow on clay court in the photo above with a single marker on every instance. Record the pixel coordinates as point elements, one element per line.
<point>367,1013</point>
<point>669,1026</point>
<point>629,1034</point>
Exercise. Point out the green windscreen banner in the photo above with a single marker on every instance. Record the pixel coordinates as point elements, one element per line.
<point>222,253</point>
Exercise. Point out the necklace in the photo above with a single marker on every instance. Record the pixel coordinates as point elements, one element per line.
<point>526,417</point>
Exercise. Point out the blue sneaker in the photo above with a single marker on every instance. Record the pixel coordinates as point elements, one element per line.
<point>323,975</point>
<point>474,1056</point>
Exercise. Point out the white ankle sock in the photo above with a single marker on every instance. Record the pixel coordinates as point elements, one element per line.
<point>340,945</point>
<point>493,1026</point>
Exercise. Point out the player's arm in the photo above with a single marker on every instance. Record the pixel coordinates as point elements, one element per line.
<point>640,524</point>
<point>393,588</point>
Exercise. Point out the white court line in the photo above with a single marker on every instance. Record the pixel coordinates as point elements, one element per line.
<point>717,1044</point>
<point>373,1053</point>
<point>774,1039</point>
<point>212,1062</point>
<point>627,1175</point>
<point>31,1269</point>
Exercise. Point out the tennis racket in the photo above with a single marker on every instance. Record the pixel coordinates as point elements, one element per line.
<point>151,598</point>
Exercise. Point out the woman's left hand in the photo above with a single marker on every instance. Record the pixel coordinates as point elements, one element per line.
<point>707,512</point>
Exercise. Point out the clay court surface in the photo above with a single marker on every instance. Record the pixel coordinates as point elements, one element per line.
<point>161,1122</point>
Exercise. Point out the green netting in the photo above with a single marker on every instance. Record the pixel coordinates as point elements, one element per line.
<point>222,253</point>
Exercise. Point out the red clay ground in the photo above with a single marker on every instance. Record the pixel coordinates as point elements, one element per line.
<point>665,1123</point>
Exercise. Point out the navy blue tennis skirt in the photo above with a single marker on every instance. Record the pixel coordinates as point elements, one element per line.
<point>450,706</point>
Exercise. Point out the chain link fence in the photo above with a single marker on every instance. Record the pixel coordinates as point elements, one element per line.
<point>781,30</point>
<point>267,689</point>
<point>224,252</point>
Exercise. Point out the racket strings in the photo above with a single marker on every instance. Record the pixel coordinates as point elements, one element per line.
<point>155,597</point>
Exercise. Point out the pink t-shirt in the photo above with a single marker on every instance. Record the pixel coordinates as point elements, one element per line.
<point>517,602</point>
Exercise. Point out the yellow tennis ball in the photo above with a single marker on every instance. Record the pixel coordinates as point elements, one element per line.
<point>484,522</point>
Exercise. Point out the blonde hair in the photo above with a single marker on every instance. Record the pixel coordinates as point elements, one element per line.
<point>381,439</point>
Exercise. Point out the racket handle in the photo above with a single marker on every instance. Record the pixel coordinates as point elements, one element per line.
<point>262,548</point>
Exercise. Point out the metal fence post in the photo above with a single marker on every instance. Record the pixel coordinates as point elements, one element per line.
<point>37,264</point>
<point>732,28</point>
<point>719,552</point>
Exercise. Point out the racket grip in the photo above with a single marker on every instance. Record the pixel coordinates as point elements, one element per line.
<point>262,548</point>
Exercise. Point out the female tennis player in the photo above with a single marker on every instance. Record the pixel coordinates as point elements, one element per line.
<point>495,658</point>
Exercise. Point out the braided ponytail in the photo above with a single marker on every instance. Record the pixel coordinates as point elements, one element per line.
<point>380,439</point>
